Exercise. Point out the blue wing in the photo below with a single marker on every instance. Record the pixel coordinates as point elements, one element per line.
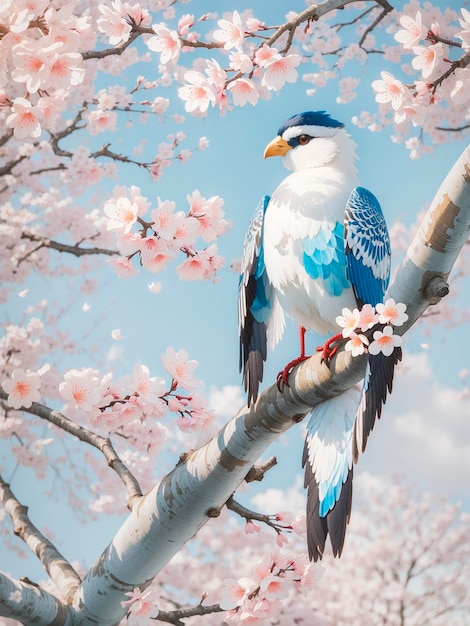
<point>256,302</point>
<point>367,247</point>
<point>328,465</point>
<point>324,257</point>
<point>368,254</point>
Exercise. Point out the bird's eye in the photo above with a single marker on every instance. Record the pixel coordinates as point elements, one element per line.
<point>304,139</point>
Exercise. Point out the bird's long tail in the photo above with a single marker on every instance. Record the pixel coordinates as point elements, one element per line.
<point>378,381</point>
<point>328,462</point>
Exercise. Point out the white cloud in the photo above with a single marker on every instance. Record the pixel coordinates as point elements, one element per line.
<point>424,431</point>
<point>226,401</point>
<point>275,500</point>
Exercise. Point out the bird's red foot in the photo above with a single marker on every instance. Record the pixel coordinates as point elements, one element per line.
<point>281,378</point>
<point>328,350</point>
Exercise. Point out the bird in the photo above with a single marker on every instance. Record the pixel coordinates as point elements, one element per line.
<point>317,245</point>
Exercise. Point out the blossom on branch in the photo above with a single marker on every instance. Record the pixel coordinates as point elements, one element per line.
<point>142,607</point>
<point>165,41</point>
<point>231,32</point>
<point>389,89</point>
<point>22,388</point>
<point>385,342</point>
<point>413,31</point>
<point>24,119</point>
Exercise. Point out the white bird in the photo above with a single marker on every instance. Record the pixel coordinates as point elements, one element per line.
<point>317,245</point>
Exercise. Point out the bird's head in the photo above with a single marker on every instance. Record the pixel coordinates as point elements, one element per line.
<point>310,139</point>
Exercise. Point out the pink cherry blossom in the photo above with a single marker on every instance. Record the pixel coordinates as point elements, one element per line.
<point>24,119</point>
<point>384,341</point>
<point>349,321</point>
<point>389,89</point>
<point>124,208</point>
<point>392,312</point>
<point>357,344</point>
<point>22,388</point>
<point>99,121</point>
<point>464,34</point>
<point>165,41</point>
<point>413,31</point>
<point>195,267</point>
<point>123,267</point>
<point>180,367</point>
<point>266,55</point>
<point>142,607</point>
<point>184,24</point>
<point>367,317</point>
<point>241,62</point>
<point>231,32</point>
<point>80,389</point>
<point>280,71</point>
<point>427,58</point>
<point>31,63</point>
<point>113,24</point>
<point>198,94</point>
<point>243,90</point>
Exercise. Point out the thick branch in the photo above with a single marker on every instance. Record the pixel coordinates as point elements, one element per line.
<point>58,568</point>
<point>29,604</point>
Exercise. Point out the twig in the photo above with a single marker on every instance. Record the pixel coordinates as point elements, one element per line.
<point>257,472</point>
<point>249,515</point>
<point>175,617</point>
<point>58,568</point>
<point>103,444</point>
<point>63,247</point>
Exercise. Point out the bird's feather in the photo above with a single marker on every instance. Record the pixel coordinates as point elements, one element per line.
<point>378,381</point>
<point>367,247</point>
<point>327,458</point>
<point>261,320</point>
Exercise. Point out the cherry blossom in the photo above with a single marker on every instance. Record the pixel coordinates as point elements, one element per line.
<point>243,90</point>
<point>392,312</point>
<point>357,344</point>
<point>180,367</point>
<point>464,34</point>
<point>22,388</point>
<point>367,317</point>
<point>384,341</point>
<point>165,41</point>
<point>142,607</point>
<point>112,23</point>
<point>389,89</point>
<point>280,71</point>
<point>413,31</point>
<point>349,321</point>
<point>198,94</point>
<point>80,389</point>
<point>427,58</point>
<point>231,32</point>
<point>24,119</point>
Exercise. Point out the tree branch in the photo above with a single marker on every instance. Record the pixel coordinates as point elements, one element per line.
<point>45,242</point>
<point>29,604</point>
<point>58,568</point>
<point>103,444</point>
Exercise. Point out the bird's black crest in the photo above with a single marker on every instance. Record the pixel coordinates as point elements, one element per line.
<point>310,118</point>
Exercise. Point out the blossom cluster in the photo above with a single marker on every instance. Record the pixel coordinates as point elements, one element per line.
<point>252,600</point>
<point>125,404</point>
<point>165,234</point>
<point>41,62</point>
<point>387,314</point>
<point>440,94</point>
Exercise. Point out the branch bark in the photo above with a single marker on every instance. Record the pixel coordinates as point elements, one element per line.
<point>199,486</point>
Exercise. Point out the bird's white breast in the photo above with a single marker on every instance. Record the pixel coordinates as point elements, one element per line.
<point>305,202</point>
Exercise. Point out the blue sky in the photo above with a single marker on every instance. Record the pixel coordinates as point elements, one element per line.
<point>202,317</point>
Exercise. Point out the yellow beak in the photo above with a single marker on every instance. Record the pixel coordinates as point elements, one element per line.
<point>277,147</point>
